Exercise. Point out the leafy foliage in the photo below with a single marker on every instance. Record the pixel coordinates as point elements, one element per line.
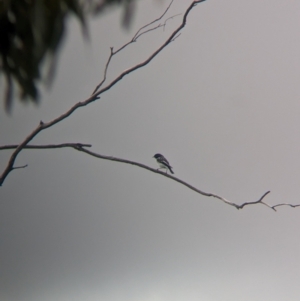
<point>32,30</point>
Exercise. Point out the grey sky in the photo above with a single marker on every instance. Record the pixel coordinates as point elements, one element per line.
<point>222,103</point>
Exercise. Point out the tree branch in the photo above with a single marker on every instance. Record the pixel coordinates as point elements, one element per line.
<point>42,126</point>
<point>171,38</point>
<point>208,194</point>
<point>138,34</point>
<point>81,147</point>
<point>46,146</point>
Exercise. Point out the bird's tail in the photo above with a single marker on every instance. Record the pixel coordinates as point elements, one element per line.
<point>172,172</point>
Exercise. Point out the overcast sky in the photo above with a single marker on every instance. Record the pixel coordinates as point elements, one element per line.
<point>222,103</point>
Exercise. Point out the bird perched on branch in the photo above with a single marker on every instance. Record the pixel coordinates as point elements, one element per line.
<point>163,163</point>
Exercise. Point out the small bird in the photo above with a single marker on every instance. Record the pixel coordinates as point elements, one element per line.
<point>163,163</point>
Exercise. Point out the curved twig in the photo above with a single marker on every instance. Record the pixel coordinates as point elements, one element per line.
<point>155,53</point>
<point>152,22</point>
<point>81,147</point>
<point>110,158</point>
<point>105,70</point>
<point>285,204</point>
<point>137,35</point>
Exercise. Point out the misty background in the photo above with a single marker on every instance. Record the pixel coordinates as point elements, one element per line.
<point>222,103</point>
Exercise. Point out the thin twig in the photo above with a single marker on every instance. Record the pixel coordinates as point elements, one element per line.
<point>154,28</point>
<point>170,18</point>
<point>285,204</point>
<point>18,167</point>
<point>256,202</point>
<point>176,37</point>
<point>155,53</point>
<point>150,29</point>
<point>154,21</point>
<point>105,71</point>
<point>134,39</point>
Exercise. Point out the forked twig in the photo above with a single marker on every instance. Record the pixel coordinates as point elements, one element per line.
<point>154,21</point>
<point>138,34</point>
<point>171,38</point>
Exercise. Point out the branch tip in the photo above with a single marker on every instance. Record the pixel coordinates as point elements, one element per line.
<point>18,167</point>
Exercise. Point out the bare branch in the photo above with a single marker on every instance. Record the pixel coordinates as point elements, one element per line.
<point>256,202</point>
<point>105,71</point>
<point>170,18</point>
<point>18,167</point>
<point>153,28</point>
<point>150,29</point>
<point>134,39</point>
<point>81,147</point>
<point>155,53</point>
<point>46,146</point>
<point>285,204</point>
<point>176,37</point>
<point>42,126</point>
<point>154,21</point>
<point>259,201</point>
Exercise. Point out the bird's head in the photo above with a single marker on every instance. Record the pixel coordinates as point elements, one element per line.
<point>156,156</point>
